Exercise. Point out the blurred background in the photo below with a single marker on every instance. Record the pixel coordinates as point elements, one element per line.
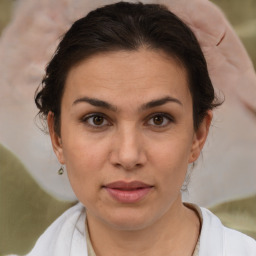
<point>242,16</point>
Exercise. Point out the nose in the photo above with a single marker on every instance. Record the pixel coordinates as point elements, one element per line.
<point>128,149</point>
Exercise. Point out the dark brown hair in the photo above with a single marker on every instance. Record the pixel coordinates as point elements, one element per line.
<point>127,26</point>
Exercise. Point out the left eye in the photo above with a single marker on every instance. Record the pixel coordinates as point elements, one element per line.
<point>160,120</point>
<point>96,120</point>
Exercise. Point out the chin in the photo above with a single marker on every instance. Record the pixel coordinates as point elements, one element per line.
<point>129,219</point>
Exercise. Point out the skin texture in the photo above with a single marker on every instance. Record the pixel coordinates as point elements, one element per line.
<point>132,143</point>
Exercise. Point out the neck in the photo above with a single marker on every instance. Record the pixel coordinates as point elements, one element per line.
<point>176,233</point>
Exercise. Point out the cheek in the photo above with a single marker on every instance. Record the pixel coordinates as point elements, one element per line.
<point>171,158</point>
<point>85,159</point>
<point>81,148</point>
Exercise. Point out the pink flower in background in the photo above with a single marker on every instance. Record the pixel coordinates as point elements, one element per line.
<point>228,167</point>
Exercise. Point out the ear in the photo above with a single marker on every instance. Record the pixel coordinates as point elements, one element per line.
<point>200,136</point>
<point>55,138</point>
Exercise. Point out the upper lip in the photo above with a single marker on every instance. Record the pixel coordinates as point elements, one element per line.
<point>127,185</point>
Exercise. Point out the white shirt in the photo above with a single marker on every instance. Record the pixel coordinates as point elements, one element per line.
<point>67,237</point>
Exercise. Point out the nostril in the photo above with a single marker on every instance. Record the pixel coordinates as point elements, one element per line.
<point>127,153</point>
<point>128,167</point>
<point>117,165</point>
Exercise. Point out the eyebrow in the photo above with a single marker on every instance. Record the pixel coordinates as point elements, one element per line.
<point>160,102</point>
<point>104,104</point>
<point>96,103</point>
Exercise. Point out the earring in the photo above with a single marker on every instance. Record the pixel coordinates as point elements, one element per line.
<point>61,170</point>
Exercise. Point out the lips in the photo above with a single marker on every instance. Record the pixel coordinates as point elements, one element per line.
<point>128,192</point>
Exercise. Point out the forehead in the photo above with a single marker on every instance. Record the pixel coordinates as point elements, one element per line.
<point>128,74</point>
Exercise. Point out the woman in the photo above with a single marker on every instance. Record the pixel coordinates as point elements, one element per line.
<point>128,102</point>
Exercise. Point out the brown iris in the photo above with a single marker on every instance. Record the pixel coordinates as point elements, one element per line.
<point>158,120</point>
<point>98,120</point>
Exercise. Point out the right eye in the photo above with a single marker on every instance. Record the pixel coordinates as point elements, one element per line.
<point>96,121</point>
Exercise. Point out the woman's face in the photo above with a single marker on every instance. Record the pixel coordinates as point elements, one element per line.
<point>127,135</point>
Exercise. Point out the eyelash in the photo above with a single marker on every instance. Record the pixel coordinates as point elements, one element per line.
<point>93,115</point>
<point>168,118</point>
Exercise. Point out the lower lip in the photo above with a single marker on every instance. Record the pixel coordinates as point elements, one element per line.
<point>128,196</point>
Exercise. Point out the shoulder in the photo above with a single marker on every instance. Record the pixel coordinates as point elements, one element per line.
<point>58,237</point>
<point>223,241</point>
<point>237,243</point>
